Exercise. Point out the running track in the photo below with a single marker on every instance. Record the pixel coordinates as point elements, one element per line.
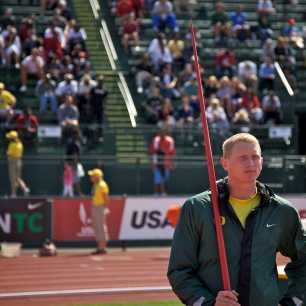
<point>134,275</point>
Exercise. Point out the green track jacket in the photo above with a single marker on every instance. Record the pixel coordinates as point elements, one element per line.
<point>273,226</point>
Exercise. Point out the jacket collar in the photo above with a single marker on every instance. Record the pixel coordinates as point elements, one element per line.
<point>265,191</point>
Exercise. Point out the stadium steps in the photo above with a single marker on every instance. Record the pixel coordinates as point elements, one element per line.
<point>116,111</point>
<point>96,50</point>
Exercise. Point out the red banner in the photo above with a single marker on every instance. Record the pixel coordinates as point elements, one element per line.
<point>72,219</point>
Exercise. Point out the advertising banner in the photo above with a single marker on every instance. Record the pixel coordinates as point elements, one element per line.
<point>72,219</point>
<point>26,220</point>
<point>145,218</point>
<point>299,202</point>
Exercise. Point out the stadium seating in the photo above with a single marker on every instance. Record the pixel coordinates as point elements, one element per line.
<point>243,52</point>
<point>116,111</point>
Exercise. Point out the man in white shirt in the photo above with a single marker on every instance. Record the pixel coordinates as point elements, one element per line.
<point>159,52</point>
<point>31,65</point>
<point>247,73</point>
<point>67,87</point>
<point>68,117</point>
<point>216,116</point>
<point>265,7</point>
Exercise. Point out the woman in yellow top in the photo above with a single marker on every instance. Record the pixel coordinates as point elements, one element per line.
<point>100,193</point>
<point>7,102</point>
<point>14,157</point>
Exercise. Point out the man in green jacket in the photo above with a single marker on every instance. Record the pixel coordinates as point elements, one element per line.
<point>256,225</point>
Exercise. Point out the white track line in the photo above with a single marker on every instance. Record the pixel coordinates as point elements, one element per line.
<point>83,291</point>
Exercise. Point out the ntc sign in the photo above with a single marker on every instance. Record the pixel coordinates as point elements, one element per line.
<point>25,220</point>
<point>20,222</point>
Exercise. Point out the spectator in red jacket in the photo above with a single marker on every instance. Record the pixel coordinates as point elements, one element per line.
<point>130,32</point>
<point>163,151</point>
<point>225,63</point>
<point>250,100</point>
<point>138,8</point>
<point>124,8</point>
<point>53,42</point>
<point>26,28</point>
<point>27,125</point>
<point>252,104</point>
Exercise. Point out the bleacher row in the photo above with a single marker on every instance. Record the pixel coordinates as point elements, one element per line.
<point>117,113</point>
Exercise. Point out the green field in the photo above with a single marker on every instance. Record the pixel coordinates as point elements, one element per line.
<point>155,303</point>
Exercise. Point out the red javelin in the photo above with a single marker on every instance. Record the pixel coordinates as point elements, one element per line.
<point>211,172</point>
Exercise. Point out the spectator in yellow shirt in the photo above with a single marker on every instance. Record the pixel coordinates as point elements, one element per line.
<point>100,193</point>
<point>7,102</point>
<point>14,157</point>
<point>177,47</point>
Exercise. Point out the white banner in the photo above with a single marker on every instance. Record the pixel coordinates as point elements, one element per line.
<point>145,218</point>
<point>299,202</point>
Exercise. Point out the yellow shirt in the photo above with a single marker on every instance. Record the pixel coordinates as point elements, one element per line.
<point>242,208</point>
<point>15,149</point>
<point>100,191</point>
<point>176,48</point>
<point>6,99</point>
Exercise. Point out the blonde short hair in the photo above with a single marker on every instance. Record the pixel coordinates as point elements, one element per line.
<point>240,137</point>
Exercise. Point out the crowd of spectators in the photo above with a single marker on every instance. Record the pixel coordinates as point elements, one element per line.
<point>239,91</point>
<point>56,58</point>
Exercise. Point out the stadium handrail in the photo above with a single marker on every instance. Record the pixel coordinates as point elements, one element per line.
<point>113,58</point>
<point>107,48</point>
<point>109,40</point>
<point>95,7</point>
